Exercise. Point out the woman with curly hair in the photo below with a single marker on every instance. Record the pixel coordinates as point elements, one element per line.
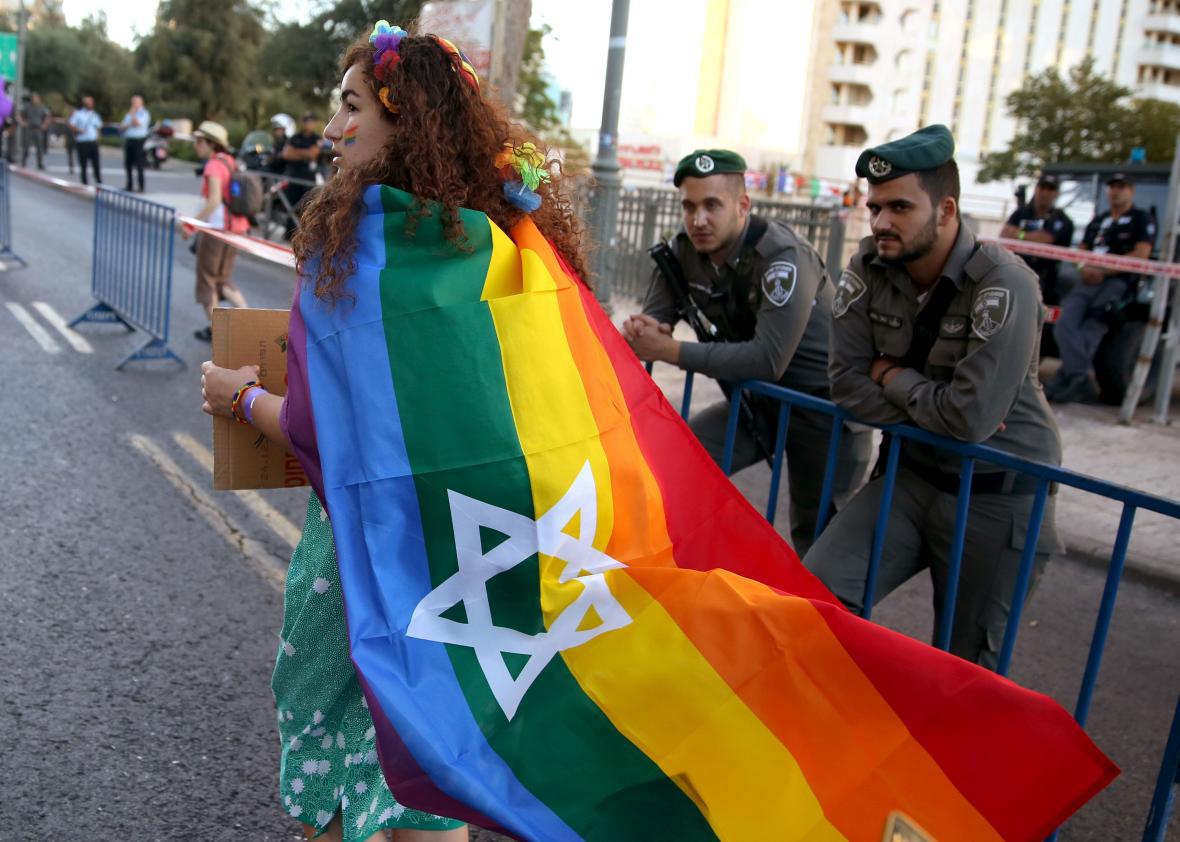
<point>411,117</point>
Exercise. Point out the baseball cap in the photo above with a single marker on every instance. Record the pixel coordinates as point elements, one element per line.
<point>1050,181</point>
<point>1117,178</point>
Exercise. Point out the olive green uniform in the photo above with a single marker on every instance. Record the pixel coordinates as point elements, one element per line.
<point>979,384</point>
<point>771,301</point>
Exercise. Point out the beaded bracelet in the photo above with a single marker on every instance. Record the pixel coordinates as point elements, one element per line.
<point>236,402</point>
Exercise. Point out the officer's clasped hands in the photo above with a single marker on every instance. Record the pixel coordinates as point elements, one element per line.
<point>651,340</point>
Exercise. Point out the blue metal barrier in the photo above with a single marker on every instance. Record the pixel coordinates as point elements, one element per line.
<point>1165,785</point>
<point>6,251</point>
<point>1047,475</point>
<point>132,271</point>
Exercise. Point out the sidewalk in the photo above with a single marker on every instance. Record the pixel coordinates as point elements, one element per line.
<point>1145,456</point>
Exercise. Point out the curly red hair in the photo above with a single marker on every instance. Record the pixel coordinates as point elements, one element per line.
<point>455,167</point>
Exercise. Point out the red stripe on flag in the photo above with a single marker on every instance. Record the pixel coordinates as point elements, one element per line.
<point>1049,776</point>
<point>710,523</point>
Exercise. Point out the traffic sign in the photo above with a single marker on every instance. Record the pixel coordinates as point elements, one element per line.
<point>8,52</point>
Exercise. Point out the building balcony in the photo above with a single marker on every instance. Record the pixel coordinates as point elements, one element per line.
<point>837,163</point>
<point>1167,22</point>
<point>855,74</point>
<point>849,115</point>
<point>1159,55</point>
<point>861,33</point>
<point>1159,90</point>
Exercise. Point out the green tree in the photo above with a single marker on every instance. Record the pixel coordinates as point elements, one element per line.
<point>299,62</point>
<point>63,63</point>
<point>537,109</point>
<point>203,56</point>
<point>1082,118</point>
<point>1153,124</point>
<point>533,102</point>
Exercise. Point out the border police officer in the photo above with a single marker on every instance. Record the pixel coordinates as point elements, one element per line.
<point>766,290</point>
<point>935,329</point>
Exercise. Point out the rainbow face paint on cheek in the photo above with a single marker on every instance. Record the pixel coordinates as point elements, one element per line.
<point>350,134</point>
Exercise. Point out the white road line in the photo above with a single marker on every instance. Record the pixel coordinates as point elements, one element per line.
<point>76,340</point>
<point>260,559</point>
<point>30,324</point>
<point>271,516</point>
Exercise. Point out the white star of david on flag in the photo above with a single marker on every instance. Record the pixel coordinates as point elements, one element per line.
<point>526,537</point>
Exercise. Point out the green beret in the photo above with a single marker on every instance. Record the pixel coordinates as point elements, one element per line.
<point>706,162</point>
<point>925,149</point>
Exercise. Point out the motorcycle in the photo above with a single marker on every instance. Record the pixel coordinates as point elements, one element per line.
<point>155,148</point>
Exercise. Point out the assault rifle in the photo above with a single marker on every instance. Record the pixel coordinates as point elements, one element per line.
<point>669,266</point>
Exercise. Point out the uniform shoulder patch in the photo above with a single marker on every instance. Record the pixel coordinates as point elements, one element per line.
<point>990,311</point>
<point>849,288</point>
<point>778,282</point>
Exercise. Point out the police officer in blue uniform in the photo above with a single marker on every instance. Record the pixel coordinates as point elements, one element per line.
<point>1086,310</point>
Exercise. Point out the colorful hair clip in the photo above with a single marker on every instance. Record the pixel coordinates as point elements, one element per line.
<point>523,168</point>
<point>386,41</point>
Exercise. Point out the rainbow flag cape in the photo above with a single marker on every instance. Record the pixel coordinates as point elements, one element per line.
<point>566,621</point>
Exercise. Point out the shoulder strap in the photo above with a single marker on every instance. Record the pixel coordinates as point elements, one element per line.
<point>927,322</point>
<point>754,231</point>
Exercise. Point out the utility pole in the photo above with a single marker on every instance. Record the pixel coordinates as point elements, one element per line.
<point>607,180</point>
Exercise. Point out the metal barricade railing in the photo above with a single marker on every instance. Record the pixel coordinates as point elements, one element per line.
<point>649,214</point>
<point>6,250</point>
<point>1131,499</point>
<point>131,276</point>
<point>1166,785</point>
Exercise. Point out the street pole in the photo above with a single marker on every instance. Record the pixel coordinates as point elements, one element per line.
<point>607,180</point>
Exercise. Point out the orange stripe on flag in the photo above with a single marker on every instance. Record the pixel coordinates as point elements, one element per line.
<point>779,655</point>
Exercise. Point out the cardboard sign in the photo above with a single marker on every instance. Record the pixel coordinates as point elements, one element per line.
<point>242,456</point>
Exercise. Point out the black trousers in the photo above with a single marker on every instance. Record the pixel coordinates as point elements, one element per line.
<point>88,153</point>
<point>133,159</point>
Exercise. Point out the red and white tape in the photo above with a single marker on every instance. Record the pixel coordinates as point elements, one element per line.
<point>274,252</point>
<point>1090,258</point>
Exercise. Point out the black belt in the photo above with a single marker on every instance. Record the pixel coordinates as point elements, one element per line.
<point>993,482</point>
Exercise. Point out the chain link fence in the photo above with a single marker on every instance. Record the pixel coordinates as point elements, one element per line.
<point>648,215</point>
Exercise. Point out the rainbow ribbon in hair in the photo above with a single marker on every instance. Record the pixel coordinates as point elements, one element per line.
<point>460,60</point>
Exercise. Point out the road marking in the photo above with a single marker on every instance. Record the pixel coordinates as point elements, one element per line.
<point>259,557</point>
<point>76,340</point>
<point>272,517</point>
<point>30,324</point>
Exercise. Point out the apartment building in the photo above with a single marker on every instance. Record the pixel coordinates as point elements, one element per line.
<point>881,68</point>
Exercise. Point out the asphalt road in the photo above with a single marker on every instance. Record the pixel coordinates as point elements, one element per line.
<point>140,609</point>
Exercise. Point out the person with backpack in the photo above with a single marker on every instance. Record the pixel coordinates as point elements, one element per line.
<point>222,194</point>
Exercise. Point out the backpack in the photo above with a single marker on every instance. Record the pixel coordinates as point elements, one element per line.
<point>244,194</point>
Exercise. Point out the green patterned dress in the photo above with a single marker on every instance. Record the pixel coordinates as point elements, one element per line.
<point>329,762</point>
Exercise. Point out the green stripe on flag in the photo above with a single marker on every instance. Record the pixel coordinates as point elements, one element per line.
<point>460,435</point>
